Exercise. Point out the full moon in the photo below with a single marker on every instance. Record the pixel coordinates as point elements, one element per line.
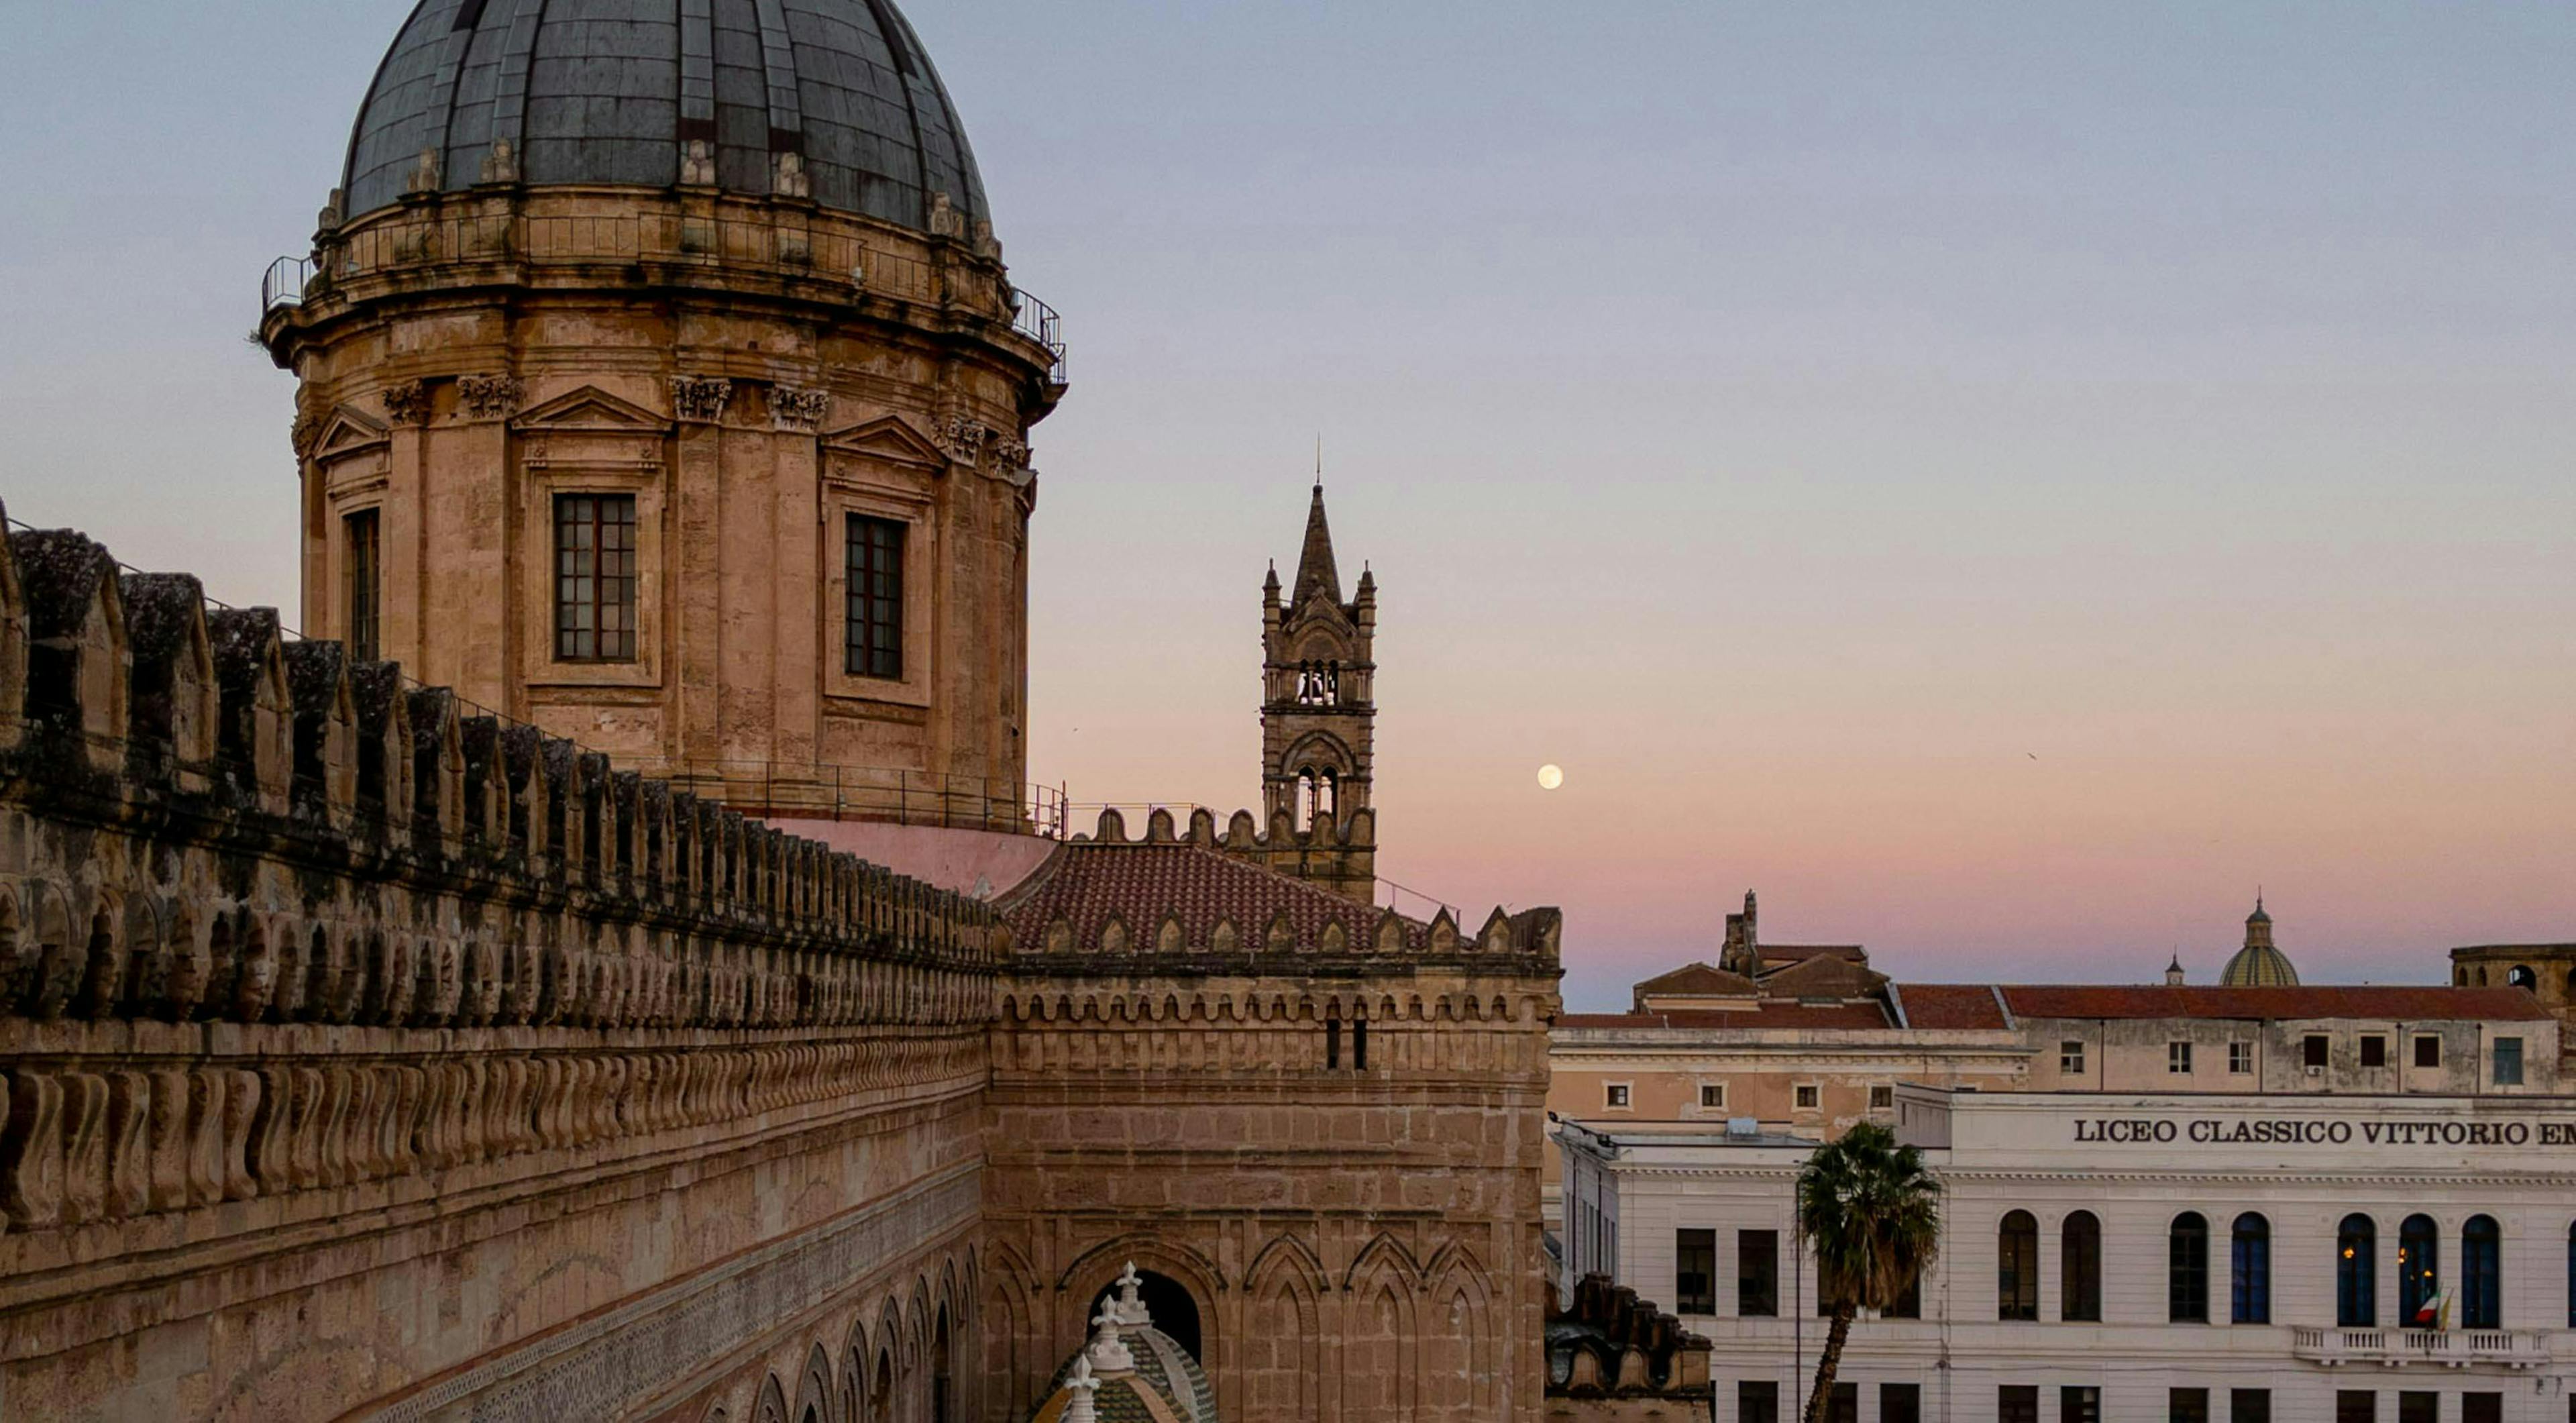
<point>1549,778</point>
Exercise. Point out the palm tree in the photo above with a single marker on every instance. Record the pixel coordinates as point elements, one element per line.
<point>1873,1216</point>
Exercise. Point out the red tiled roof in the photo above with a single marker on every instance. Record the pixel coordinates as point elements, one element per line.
<point>1950,1005</point>
<point>2394,1002</point>
<point>1087,883</point>
<point>1773,1015</point>
<point>1793,953</point>
<point>1698,978</point>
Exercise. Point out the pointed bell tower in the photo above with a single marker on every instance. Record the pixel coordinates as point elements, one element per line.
<point>1319,715</point>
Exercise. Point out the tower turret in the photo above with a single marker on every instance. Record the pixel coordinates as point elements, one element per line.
<point>1318,717</point>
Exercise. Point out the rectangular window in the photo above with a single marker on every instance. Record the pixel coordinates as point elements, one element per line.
<point>2508,1062</point>
<point>1900,1403</point>
<point>1909,1304</point>
<point>1712,1096</point>
<point>1332,1044</point>
<point>1882,1098</point>
<point>2428,1050</point>
<point>1757,1273</point>
<point>2419,1406</point>
<point>1695,1272</point>
<point>1757,1401</point>
<point>2017,1403</point>
<point>595,578</point>
<point>875,592</point>
<point>2249,1405</point>
<point>365,594</point>
<point>2187,1405</point>
<point>2481,1408</point>
<point>1844,1406</point>
<point>2077,1403</point>
<point>2312,1050</point>
<point>1615,1095</point>
<point>2177,1057</point>
<point>2374,1050</point>
<point>1809,1094</point>
<point>2070,1058</point>
<point>2356,1405</point>
<point>2240,1058</point>
<point>1359,1044</point>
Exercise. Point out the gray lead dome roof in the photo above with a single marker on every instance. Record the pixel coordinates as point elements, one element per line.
<point>608,91</point>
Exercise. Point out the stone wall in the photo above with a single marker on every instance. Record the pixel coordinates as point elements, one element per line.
<point>366,1055</point>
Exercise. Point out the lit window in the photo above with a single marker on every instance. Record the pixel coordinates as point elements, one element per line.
<point>1712,1095</point>
<point>1615,1095</point>
<point>1809,1095</point>
<point>2070,1058</point>
<point>2240,1058</point>
<point>874,631</point>
<point>365,598</point>
<point>595,578</point>
<point>2177,1057</point>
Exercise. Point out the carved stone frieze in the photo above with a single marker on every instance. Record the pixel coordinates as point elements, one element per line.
<point>965,438</point>
<point>407,402</point>
<point>488,397</point>
<point>799,408</point>
<point>308,428</point>
<point>700,398</point>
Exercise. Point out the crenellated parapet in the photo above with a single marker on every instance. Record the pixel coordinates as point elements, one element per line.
<point>285,939</point>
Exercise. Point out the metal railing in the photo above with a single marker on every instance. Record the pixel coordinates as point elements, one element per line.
<point>1038,321</point>
<point>284,283</point>
<point>795,790</point>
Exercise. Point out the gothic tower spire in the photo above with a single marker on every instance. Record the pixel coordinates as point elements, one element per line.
<point>1318,716</point>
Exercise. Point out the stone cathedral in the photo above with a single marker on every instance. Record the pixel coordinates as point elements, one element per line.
<point>610,964</point>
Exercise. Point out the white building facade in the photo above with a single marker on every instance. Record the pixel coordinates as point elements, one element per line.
<point>2126,1256</point>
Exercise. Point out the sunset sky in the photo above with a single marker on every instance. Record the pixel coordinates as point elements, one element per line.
<point>2002,484</point>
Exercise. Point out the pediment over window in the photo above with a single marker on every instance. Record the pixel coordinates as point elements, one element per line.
<point>592,409</point>
<point>348,430</point>
<point>887,438</point>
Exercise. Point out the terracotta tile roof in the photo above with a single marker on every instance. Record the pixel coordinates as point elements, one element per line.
<point>1772,1015</point>
<point>1796,953</point>
<point>2394,1002</point>
<point>1087,884</point>
<point>1954,1006</point>
<point>1697,978</point>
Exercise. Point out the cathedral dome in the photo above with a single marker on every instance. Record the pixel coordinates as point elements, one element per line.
<point>2259,964</point>
<point>762,97</point>
<point>1129,1372</point>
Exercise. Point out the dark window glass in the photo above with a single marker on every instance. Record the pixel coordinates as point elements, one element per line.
<point>1757,1401</point>
<point>875,592</point>
<point>2080,1268</point>
<point>2078,1403</point>
<point>1359,1044</point>
<point>1757,1272</point>
<point>2356,1405</point>
<point>365,593</point>
<point>1844,1406</point>
<point>2419,1268</point>
<point>2508,1062</point>
<point>2187,1271</point>
<point>2249,1405</point>
<point>595,578</point>
<point>1908,1303</point>
<point>2250,1270</point>
<point>2313,1049</point>
<point>2017,1267</point>
<point>2481,1274</point>
<point>1332,1044</point>
<point>1695,1271</point>
<point>2187,1405</point>
<point>1900,1403</point>
<point>2419,1406</point>
<point>2356,1263</point>
<point>2374,1051</point>
<point>2017,1403</point>
<point>2481,1408</point>
<point>2428,1051</point>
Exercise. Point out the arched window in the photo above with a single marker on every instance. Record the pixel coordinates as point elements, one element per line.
<point>2481,1274</point>
<point>2521,976</point>
<point>2419,1267</point>
<point>1328,799</point>
<point>943,1390</point>
<point>2079,1267</point>
<point>2250,1271</point>
<point>2356,1267</point>
<point>2187,1270</point>
<point>2017,1267</point>
<point>881,1402</point>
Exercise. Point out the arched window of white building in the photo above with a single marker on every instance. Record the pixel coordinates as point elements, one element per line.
<point>2249,1272</point>
<point>2419,1269</point>
<point>2079,1267</point>
<point>2187,1270</point>
<point>2356,1266</point>
<point>2481,1274</point>
<point>2017,1267</point>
